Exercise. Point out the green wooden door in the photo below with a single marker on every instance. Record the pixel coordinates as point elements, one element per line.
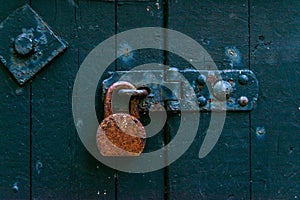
<point>257,155</point>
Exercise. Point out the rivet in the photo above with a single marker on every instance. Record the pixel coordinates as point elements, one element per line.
<point>243,79</point>
<point>23,44</point>
<point>222,90</point>
<point>202,101</point>
<point>201,79</point>
<point>243,101</point>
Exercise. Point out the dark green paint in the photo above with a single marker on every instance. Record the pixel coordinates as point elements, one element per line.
<point>275,50</point>
<point>39,146</point>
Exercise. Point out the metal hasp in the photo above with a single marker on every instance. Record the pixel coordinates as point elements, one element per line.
<point>27,44</point>
<point>237,88</point>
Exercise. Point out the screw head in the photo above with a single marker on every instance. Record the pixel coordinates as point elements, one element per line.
<point>243,79</point>
<point>201,79</point>
<point>202,101</point>
<point>243,101</point>
<point>222,90</point>
<point>23,44</point>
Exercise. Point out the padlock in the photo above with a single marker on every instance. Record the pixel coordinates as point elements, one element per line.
<point>120,134</point>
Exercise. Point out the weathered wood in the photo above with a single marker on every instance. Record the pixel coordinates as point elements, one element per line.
<point>14,128</point>
<point>53,134</point>
<point>135,15</point>
<point>225,172</point>
<point>95,23</point>
<point>275,50</point>
<point>257,155</point>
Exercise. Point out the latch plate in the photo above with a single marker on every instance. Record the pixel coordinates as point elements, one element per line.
<point>241,86</point>
<point>27,44</point>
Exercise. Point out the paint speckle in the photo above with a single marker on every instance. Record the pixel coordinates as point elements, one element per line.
<point>231,197</point>
<point>233,55</point>
<point>205,41</point>
<point>15,187</point>
<point>262,43</point>
<point>38,167</point>
<point>291,149</point>
<point>125,52</point>
<point>260,131</point>
<point>157,5</point>
<point>19,91</point>
<point>79,123</point>
<point>73,3</point>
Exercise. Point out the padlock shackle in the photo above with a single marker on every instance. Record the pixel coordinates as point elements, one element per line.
<point>133,109</point>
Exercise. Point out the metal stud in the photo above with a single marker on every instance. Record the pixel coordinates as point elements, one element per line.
<point>243,79</point>
<point>243,101</point>
<point>222,90</point>
<point>27,44</point>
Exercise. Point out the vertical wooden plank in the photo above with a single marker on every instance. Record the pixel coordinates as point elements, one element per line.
<point>53,131</point>
<point>14,127</point>
<point>95,23</point>
<point>225,172</point>
<point>137,15</point>
<point>275,49</point>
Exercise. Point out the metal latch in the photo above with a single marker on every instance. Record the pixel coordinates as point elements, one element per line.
<point>237,88</point>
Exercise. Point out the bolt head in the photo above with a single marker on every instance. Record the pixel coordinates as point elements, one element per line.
<point>202,101</point>
<point>222,90</point>
<point>243,79</point>
<point>201,79</point>
<point>243,101</point>
<point>23,44</point>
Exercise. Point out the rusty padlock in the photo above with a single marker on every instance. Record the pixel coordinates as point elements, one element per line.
<point>120,134</point>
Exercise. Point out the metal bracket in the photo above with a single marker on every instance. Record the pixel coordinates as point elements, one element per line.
<point>27,44</point>
<point>239,88</point>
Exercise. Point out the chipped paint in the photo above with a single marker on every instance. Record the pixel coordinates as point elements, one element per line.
<point>234,56</point>
<point>125,52</point>
<point>260,131</point>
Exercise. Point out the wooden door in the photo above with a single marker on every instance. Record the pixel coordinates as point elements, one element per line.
<point>257,155</point>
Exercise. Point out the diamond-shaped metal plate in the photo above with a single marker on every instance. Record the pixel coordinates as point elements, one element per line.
<point>27,44</point>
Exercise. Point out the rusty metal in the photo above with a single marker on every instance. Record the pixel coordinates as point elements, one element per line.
<point>243,101</point>
<point>121,134</point>
<point>27,44</point>
<point>114,89</point>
